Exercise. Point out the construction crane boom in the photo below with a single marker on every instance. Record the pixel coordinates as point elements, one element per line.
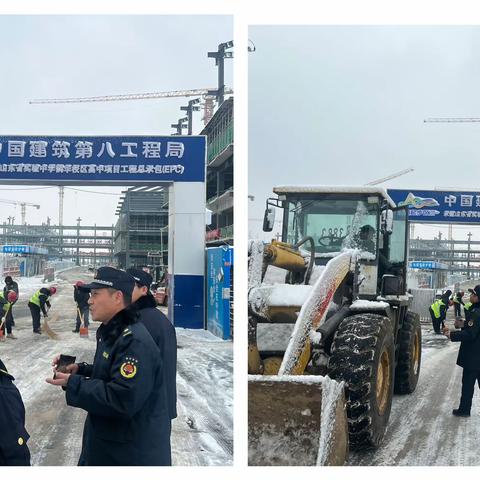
<point>390,177</point>
<point>203,92</point>
<point>23,206</point>
<point>452,120</point>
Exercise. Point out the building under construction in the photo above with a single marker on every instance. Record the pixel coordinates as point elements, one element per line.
<point>90,245</point>
<point>461,257</point>
<point>141,232</point>
<point>219,132</point>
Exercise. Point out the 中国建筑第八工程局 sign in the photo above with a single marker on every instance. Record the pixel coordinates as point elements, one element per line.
<point>439,206</point>
<point>103,158</point>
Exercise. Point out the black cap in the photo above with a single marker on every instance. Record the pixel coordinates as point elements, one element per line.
<point>475,290</point>
<point>141,277</point>
<point>109,277</point>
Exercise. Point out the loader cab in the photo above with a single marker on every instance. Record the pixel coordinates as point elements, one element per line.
<point>344,218</point>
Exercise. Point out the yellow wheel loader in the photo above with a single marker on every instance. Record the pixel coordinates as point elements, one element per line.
<point>330,334</point>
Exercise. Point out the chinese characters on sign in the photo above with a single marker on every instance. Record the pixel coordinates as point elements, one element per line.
<point>82,149</point>
<point>439,207</point>
<point>103,158</point>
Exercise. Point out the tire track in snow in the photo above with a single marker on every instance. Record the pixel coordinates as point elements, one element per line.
<point>422,430</point>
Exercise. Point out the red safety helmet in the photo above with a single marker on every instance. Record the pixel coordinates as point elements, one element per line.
<point>12,296</point>
<point>79,283</point>
<point>53,290</point>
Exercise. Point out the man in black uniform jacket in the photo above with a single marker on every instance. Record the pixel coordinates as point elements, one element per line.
<point>13,436</point>
<point>81,297</point>
<point>161,330</point>
<point>469,353</point>
<point>124,390</point>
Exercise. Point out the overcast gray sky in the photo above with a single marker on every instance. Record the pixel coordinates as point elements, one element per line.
<point>345,105</point>
<point>71,56</point>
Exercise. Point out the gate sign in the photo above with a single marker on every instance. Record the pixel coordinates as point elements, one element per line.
<point>24,249</point>
<point>427,265</point>
<point>439,207</point>
<point>95,159</point>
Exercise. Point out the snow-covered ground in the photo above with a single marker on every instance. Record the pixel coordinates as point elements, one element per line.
<point>422,430</point>
<point>201,435</point>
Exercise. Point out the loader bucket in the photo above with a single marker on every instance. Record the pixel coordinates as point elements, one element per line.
<point>296,420</point>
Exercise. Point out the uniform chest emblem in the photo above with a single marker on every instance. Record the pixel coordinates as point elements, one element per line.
<point>105,355</point>
<point>129,368</point>
<point>470,323</point>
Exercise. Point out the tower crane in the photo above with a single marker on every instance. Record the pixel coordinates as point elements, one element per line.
<point>390,177</point>
<point>205,93</point>
<point>23,206</point>
<point>452,120</point>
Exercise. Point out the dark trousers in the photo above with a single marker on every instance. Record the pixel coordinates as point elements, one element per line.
<point>468,386</point>
<point>436,321</point>
<point>85,312</point>
<point>458,311</point>
<point>35,311</point>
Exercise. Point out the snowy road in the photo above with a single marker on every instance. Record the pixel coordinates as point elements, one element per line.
<point>422,431</point>
<point>201,435</point>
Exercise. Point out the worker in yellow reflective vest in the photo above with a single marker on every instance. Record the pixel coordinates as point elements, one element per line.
<point>467,309</point>
<point>438,311</point>
<point>38,301</point>
<point>5,320</point>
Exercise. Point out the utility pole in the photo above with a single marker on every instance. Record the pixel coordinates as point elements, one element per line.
<point>220,55</point>
<point>180,125</point>
<point>190,108</point>
<point>469,235</point>
<point>61,193</point>
<point>78,241</point>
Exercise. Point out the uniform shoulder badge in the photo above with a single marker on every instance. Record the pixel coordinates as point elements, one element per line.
<point>470,323</point>
<point>129,367</point>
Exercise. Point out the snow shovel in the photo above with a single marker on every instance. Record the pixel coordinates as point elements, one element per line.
<point>306,424</point>
<point>83,329</point>
<point>46,327</point>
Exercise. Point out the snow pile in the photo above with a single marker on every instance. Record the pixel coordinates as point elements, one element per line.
<point>315,308</point>
<point>334,189</point>
<point>364,305</point>
<point>306,379</point>
<point>288,295</point>
<point>274,275</point>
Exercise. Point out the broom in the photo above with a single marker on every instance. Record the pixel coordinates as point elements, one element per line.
<point>2,336</point>
<point>83,328</point>
<point>46,328</point>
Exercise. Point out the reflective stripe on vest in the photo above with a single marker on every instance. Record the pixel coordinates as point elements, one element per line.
<point>436,308</point>
<point>36,298</point>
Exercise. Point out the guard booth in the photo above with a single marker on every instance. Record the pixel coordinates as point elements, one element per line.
<point>427,275</point>
<point>176,162</point>
<point>22,260</point>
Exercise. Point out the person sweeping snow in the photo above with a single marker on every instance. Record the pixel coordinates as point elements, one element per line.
<point>38,303</point>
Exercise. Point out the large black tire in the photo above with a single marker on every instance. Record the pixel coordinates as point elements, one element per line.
<point>410,354</point>
<point>363,356</point>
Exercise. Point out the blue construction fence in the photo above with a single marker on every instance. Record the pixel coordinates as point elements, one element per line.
<point>219,291</point>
